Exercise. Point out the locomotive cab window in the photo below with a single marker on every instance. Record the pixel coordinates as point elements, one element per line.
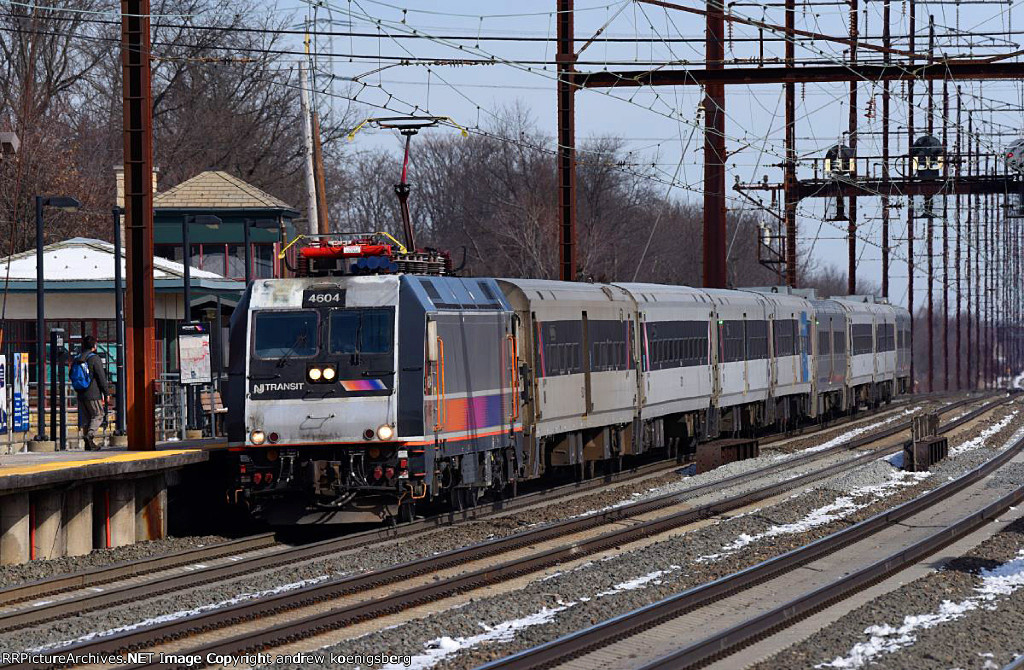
<point>290,333</point>
<point>361,331</point>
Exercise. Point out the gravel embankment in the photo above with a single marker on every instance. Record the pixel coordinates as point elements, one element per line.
<point>370,558</point>
<point>968,615</point>
<point>545,609</point>
<point>375,557</point>
<point>11,575</point>
<point>222,593</point>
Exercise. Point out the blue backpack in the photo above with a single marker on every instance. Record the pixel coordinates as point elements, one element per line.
<point>81,375</point>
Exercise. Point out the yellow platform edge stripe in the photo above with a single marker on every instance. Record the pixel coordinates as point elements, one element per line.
<point>10,470</point>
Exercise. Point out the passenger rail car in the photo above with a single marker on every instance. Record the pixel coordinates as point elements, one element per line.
<point>352,398</point>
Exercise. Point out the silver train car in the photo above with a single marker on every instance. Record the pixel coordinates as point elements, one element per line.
<point>355,398</point>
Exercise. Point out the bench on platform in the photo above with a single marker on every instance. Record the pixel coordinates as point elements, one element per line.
<point>213,405</point>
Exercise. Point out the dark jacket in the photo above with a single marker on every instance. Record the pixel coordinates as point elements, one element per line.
<point>98,387</point>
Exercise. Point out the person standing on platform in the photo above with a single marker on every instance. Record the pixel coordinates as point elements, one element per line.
<point>89,380</point>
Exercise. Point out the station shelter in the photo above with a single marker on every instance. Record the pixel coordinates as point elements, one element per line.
<point>79,286</point>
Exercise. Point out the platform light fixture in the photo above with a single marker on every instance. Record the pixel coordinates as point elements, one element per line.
<point>66,204</point>
<point>9,144</point>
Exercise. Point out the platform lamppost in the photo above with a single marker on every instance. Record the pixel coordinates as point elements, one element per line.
<point>67,204</point>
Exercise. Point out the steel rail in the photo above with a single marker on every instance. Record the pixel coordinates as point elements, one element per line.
<point>92,601</point>
<point>632,623</point>
<point>146,637</point>
<point>105,574</point>
<point>1015,664</point>
<point>724,643</point>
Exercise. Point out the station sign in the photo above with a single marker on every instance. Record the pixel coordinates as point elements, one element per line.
<point>194,352</point>
<point>3,394</point>
<point>19,393</point>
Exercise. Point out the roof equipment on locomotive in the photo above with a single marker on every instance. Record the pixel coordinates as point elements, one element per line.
<point>379,252</point>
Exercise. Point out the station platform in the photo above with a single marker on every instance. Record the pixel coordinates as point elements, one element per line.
<point>67,503</point>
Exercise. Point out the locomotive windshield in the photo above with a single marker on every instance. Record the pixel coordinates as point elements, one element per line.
<point>280,334</point>
<point>361,331</point>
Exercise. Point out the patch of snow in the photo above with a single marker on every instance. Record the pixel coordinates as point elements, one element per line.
<point>998,582</point>
<point>181,614</point>
<point>840,508</point>
<point>440,648</point>
<point>639,582</point>
<point>850,434</point>
<point>982,439</point>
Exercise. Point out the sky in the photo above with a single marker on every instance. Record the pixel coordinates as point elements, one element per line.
<point>662,126</point>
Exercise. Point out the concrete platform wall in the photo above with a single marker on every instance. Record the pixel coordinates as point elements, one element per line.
<point>72,520</point>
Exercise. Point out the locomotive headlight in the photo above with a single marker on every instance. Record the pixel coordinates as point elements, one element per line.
<point>385,432</point>
<point>329,374</point>
<point>314,374</point>
<point>257,437</point>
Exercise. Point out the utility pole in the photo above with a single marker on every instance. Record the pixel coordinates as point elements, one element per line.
<point>138,201</point>
<point>323,225</point>
<point>971,276</point>
<point>852,223</point>
<point>956,253</point>
<point>978,370</point>
<point>945,241</point>
<point>566,58</point>
<point>307,143</point>
<point>886,44</point>
<point>930,222</point>
<point>910,201</point>
<point>714,154</point>
<point>789,177</point>
<point>986,306</point>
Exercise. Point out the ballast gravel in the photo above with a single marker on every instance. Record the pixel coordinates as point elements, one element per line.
<point>969,614</point>
<point>11,575</point>
<point>605,577</point>
<point>573,599</point>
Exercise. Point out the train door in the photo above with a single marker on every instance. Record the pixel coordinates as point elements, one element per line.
<point>746,356</point>
<point>874,347</point>
<point>804,336</point>
<point>714,358</point>
<point>511,370</point>
<point>435,375</point>
<point>832,350</point>
<point>773,359</point>
<point>587,397</point>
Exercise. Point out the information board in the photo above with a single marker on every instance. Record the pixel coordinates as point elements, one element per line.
<point>3,394</point>
<point>194,353</point>
<point>19,396</point>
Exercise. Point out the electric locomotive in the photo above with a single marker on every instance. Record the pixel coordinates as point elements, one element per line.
<point>352,397</point>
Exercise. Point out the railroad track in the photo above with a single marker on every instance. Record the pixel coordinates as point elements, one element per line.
<point>283,612</point>
<point>750,605</point>
<point>271,555</point>
<point>238,548</point>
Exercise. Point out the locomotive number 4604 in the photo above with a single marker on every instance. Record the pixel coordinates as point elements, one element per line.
<point>323,297</point>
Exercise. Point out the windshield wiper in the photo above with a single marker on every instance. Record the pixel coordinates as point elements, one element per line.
<point>301,339</point>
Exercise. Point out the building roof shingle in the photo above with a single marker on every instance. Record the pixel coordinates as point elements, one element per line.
<point>216,189</point>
